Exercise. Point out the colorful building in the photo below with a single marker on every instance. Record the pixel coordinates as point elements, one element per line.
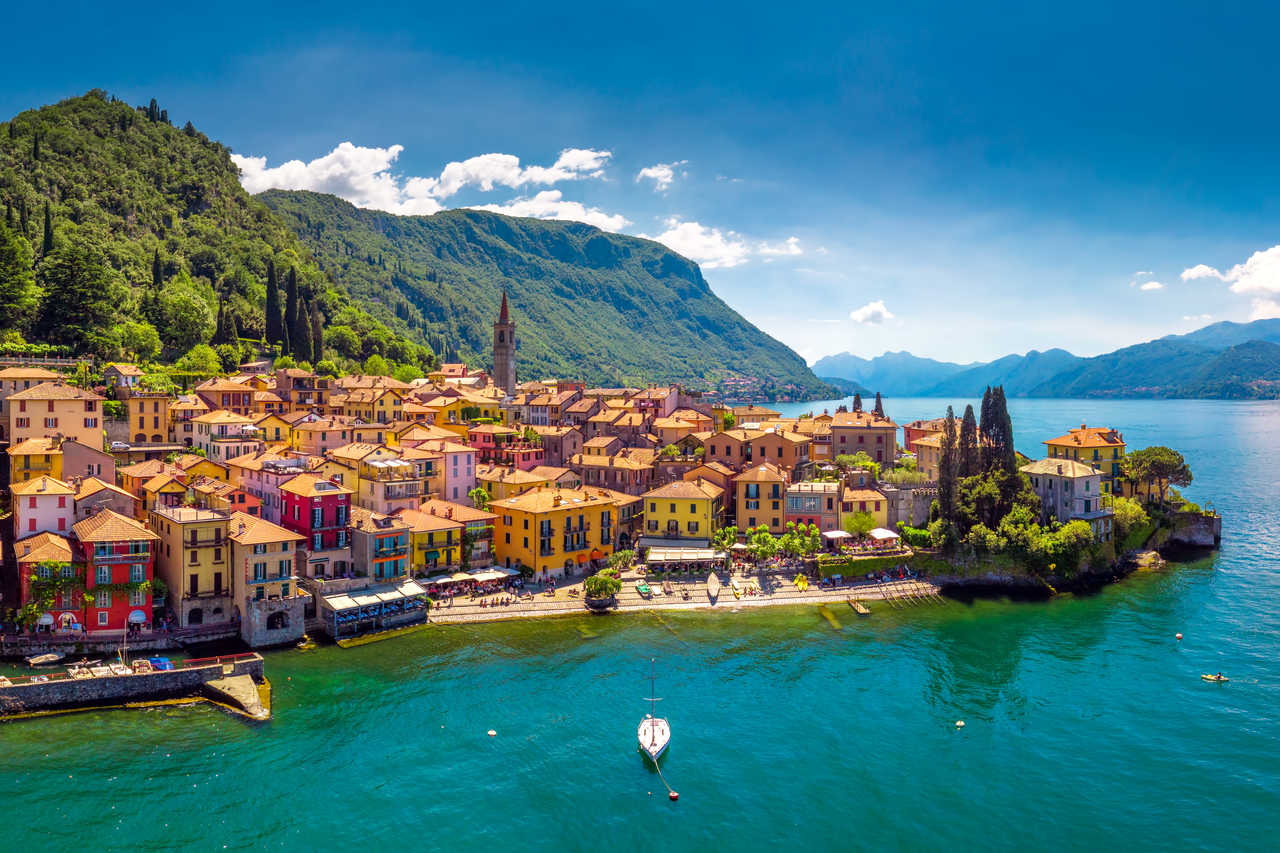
<point>224,435</point>
<point>435,543</point>
<point>760,498</point>
<point>380,544</point>
<point>814,502</point>
<point>117,552</point>
<point>320,511</point>
<point>859,500</point>
<point>872,434</point>
<point>689,511</point>
<point>148,416</point>
<point>1070,491</point>
<point>555,532</point>
<point>478,524</point>
<point>194,561</point>
<point>55,408</point>
<point>42,505</point>
<point>1101,447</point>
<point>64,609</point>
<point>269,603</point>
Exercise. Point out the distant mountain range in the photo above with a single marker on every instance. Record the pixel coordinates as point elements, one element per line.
<point>1224,360</point>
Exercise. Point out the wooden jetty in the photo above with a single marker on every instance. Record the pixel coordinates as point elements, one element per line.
<point>858,607</point>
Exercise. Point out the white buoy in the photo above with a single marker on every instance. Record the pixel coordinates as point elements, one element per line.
<point>492,733</point>
<point>1177,636</point>
<point>959,724</point>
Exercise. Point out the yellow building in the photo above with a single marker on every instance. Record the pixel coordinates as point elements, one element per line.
<point>35,457</point>
<point>854,501</point>
<point>555,532</point>
<point>374,405</point>
<point>929,455</point>
<point>194,560</point>
<point>272,427</point>
<point>1101,447</point>
<point>502,482</point>
<point>435,543</point>
<point>55,408</point>
<point>688,510</point>
<point>761,495</point>
<point>268,600</point>
<point>148,416</point>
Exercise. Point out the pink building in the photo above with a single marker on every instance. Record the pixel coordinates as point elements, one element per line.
<point>42,505</point>
<point>459,466</point>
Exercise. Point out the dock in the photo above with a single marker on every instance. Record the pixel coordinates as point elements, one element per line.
<point>235,682</point>
<point>858,607</point>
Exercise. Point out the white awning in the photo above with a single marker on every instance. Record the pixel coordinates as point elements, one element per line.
<point>488,575</point>
<point>882,534</point>
<point>682,555</point>
<point>835,534</point>
<point>45,619</point>
<point>137,617</point>
<point>440,579</point>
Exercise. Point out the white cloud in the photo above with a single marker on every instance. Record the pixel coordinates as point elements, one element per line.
<point>1259,276</point>
<point>790,247</point>
<point>550,204</point>
<point>709,247</point>
<point>1141,273</point>
<point>662,174</point>
<point>873,313</point>
<point>363,176</point>
<point>1197,318</point>
<point>1152,285</point>
<point>1265,309</point>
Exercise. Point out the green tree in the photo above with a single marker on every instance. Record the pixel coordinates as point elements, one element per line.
<point>272,319</point>
<point>47,246</point>
<point>18,295</point>
<point>326,367</point>
<point>300,336</point>
<point>139,340</point>
<point>730,420</point>
<point>479,497</point>
<point>947,462</point>
<point>81,295</point>
<point>407,372</point>
<point>1157,466</point>
<point>859,524</point>
<point>186,312</point>
<point>344,341</point>
<point>857,402</point>
<point>725,538</point>
<point>317,335</point>
<point>1128,516</point>
<point>879,408</point>
<point>201,358</point>
<point>603,584</point>
<point>376,365</point>
<point>157,271</point>
<point>291,310</point>
<point>970,461</point>
<point>621,560</point>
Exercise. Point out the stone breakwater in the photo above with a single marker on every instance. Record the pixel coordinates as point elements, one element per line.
<point>61,693</point>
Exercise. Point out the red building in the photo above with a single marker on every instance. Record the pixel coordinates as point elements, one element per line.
<point>62,613</point>
<point>115,549</point>
<point>320,510</point>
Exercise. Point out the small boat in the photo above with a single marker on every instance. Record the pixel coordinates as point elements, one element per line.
<point>736,587</point>
<point>121,669</point>
<point>643,588</point>
<point>713,587</point>
<point>1220,679</point>
<point>801,582</point>
<point>48,659</point>
<point>667,588</point>
<point>654,732</point>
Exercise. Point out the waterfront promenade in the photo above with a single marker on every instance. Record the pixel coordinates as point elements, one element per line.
<point>774,590</point>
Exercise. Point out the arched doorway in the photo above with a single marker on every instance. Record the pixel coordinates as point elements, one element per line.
<point>140,438</point>
<point>276,621</point>
<point>195,616</point>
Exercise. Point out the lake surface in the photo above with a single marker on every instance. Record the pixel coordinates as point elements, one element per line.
<point>1087,725</point>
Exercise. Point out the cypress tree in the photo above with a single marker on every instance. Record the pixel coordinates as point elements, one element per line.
<point>291,305</point>
<point>317,335</point>
<point>947,468</point>
<point>857,402</point>
<point>970,460</point>
<point>8,214</point>
<point>986,431</point>
<point>157,272</point>
<point>301,336</point>
<point>879,409</point>
<point>233,328</point>
<point>1007,457</point>
<point>48,231</point>
<point>273,304</point>
<point>35,146</point>
<point>284,338</point>
<point>220,328</point>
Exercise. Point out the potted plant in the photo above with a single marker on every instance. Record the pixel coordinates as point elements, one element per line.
<point>601,589</point>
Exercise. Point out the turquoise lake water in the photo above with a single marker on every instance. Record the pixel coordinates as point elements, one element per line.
<point>1087,724</point>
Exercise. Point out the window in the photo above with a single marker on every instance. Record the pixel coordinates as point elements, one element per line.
<point>284,590</point>
<point>103,575</point>
<point>102,598</point>
<point>259,549</point>
<point>62,501</point>
<point>653,507</point>
<point>102,619</point>
<point>693,527</point>
<point>317,542</point>
<point>137,598</point>
<point>260,571</point>
<point>50,423</point>
<point>137,573</point>
<point>31,502</point>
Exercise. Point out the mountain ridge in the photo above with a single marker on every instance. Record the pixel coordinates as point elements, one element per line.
<point>1222,360</point>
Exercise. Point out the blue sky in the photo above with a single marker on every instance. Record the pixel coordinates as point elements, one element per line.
<point>961,181</point>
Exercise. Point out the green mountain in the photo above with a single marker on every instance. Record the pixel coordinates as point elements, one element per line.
<point>147,226</point>
<point>899,373</point>
<point>607,308</point>
<point>1018,374</point>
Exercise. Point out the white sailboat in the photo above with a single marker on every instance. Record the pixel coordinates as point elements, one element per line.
<point>654,732</point>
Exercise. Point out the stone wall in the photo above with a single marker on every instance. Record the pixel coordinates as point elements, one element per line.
<point>83,692</point>
<point>254,628</point>
<point>1196,529</point>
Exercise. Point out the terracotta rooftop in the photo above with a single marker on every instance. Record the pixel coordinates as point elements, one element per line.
<point>108,526</point>
<point>42,547</point>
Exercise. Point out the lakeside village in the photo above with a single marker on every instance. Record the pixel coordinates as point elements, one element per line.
<point>276,503</point>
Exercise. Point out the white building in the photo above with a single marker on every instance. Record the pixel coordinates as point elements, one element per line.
<point>1069,491</point>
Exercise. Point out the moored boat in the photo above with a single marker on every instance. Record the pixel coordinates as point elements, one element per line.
<point>1218,679</point>
<point>713,587</point>
<point>654,732</point>
<point>47,659</point>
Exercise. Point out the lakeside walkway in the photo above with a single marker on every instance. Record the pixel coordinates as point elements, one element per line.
<point>775,590</point>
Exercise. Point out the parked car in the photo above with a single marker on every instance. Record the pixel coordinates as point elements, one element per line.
<point>119,445</point>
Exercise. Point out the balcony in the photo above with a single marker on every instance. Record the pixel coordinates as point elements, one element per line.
<point>582,528</point>
<point>209,542</point>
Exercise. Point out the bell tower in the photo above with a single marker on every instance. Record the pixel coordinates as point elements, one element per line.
<point>504,350</point>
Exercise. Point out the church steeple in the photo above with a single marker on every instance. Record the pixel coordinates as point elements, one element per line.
<point>504,349</point>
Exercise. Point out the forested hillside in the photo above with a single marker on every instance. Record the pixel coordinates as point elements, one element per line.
<point>608,308</point>
<point>125,236</point>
